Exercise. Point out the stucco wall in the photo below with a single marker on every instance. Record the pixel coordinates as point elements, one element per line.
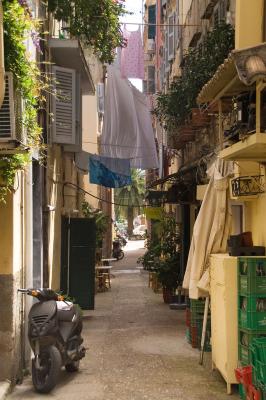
<point>249,23</point>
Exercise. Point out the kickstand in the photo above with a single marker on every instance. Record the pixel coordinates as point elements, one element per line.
<point>204,326</point>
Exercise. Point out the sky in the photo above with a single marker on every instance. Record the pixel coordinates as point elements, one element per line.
<point>134,6</point>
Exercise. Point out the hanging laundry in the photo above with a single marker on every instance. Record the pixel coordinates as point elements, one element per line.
<point>132,56</point>
<point>118,165</point>
<point>100,174</point>
<point>127,128</point>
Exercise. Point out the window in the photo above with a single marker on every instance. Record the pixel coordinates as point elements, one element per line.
<point>171,37</point>
<point>149,84</point>
<point>237,218</point>
<point>152,21</point>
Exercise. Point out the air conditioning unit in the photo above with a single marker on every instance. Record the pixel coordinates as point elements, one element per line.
<point>100,98</point>
<point>151,46</point>
<point>7,112</point>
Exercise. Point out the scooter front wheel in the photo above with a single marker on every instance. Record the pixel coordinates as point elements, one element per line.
<point>45,377</point>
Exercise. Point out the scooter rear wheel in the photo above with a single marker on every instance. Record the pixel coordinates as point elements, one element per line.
<point>120,255</point>
<point>45,378</point>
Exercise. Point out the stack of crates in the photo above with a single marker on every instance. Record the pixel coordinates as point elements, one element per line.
<point>251,304</point>
<point>258,361</point>
<point>194,321</point>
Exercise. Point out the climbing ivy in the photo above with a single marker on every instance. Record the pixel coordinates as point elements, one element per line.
<point>18,27</point>
<point>95,22</point>
<point>200,64</point>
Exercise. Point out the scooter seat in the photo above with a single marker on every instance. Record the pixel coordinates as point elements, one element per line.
<point>65,314</point>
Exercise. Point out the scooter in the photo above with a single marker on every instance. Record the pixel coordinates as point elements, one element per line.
<point>54,334</point>
<point>117,250</point>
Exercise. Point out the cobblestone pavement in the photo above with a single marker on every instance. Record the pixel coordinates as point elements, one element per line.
<point>137,348</point>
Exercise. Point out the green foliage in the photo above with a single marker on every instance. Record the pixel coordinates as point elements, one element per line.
<point>130,196</point>
<point>95,22</point>
<point>164,256</point>
<point>102,221</point>
<point>200,64</point>
<point>9,165</point>
<point>18,26</point>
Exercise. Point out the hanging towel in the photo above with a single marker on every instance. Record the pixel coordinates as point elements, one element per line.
<point>117,165</point>
<point>132,56</point>
<point>101,175</point>
<point>127,128</point>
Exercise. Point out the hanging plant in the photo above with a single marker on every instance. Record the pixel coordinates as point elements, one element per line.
<point>96,23</point>
<point>200,64</point>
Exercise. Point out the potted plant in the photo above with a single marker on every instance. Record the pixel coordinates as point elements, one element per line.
<point>168,275</point>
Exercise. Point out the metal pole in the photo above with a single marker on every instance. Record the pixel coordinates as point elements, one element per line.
<point>204,325</point>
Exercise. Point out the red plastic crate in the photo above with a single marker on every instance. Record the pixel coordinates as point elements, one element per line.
<point>244,375</point>
<point>188,317</point>
<point>253,393</point>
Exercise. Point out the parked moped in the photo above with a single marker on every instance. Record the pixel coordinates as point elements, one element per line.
<point>117,250</point>
<point>54,334</point>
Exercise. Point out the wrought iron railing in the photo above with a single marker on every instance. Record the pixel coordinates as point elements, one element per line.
<point>248,185</point>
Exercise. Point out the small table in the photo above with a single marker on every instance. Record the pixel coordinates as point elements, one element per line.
<point>103,275</point>
<point>106,261</point>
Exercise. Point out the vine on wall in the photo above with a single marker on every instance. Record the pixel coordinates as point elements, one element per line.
<point>200,64</point>
<point>18,27</point>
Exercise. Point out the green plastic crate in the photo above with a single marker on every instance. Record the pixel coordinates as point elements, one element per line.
<point>197,306</point>
<point>242,392</point>
<point>251,275</point>
<point>245,338</point>
<point>252,303</point>
<point>244,354</point>
<point>252,320</point>
<point>262,389</point>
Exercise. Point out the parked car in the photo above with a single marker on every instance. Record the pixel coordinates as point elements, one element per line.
<point>139,232</point>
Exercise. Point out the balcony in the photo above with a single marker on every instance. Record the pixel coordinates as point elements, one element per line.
<point>68,53</point>
<point>247,187</point>
<point>243,72</point>
<point>252,148</point>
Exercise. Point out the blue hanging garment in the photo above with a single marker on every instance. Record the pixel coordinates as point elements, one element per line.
<point>101,175</point>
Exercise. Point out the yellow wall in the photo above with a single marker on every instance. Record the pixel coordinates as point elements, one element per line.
<point>255,219</point>
<point>249,23</point>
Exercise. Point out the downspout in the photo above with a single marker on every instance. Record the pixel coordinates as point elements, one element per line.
<point>2,65</point>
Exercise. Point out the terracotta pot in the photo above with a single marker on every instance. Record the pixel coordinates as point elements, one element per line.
<point>199,118</point>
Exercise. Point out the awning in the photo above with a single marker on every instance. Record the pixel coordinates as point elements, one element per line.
<point>237,74</point>
<point>68,53</point>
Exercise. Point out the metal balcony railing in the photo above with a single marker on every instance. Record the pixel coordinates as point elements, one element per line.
<point>248,185</point>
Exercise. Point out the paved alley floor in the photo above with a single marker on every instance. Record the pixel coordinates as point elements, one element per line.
<point>136,348</point>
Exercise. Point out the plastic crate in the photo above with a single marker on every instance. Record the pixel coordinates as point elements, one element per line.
<point>188,317</point>
<point>197,306</point>
<point>262,389</point>
<point>251,275</point>
<point>253,393</point>
<point>259,349</point>
<point>244,375</point>
<point>242,392</point>
<point>252,303</point>
<point>244,354</point>
<point>252,320</point>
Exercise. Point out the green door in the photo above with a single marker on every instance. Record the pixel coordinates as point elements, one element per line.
<point>78,260</point>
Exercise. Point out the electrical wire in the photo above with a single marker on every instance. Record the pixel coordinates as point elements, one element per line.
<point>98,198</point>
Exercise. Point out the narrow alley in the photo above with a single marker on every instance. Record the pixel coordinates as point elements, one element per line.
<point>136,348</point>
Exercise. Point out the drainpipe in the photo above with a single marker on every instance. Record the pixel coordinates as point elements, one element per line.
<point>2,66</point>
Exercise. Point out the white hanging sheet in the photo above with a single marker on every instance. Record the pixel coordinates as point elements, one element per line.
<point>127,128</point>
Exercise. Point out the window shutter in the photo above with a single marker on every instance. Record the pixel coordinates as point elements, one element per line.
<point>7,111</point>
<point>171,37</point>
<point>100,98</point>
<point>64,106</point>
<point>151,79</point>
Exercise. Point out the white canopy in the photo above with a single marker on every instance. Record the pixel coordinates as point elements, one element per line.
<point>211,230</point>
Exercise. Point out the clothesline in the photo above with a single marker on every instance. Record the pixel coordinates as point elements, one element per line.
<point>151,24</point>
<point>119,145</point>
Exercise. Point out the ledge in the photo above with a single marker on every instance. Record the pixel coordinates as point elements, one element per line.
<point>252,148</point>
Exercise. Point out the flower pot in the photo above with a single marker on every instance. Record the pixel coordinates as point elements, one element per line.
<point>199,118</point>
<point>167,295</point>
